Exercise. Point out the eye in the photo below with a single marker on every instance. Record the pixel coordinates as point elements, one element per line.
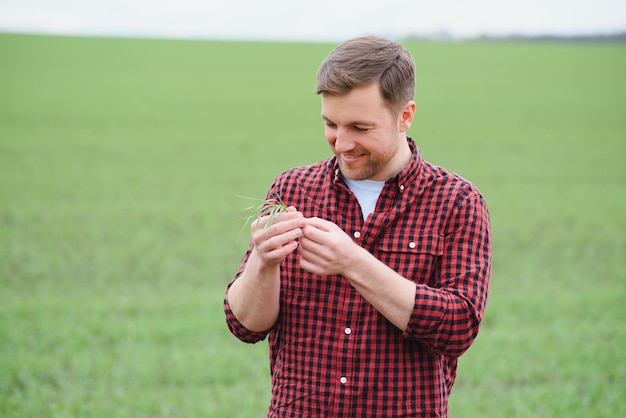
<point>330,125</point>
<point>360,129</point>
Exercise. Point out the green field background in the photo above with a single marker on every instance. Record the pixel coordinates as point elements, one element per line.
<point>120,226</point>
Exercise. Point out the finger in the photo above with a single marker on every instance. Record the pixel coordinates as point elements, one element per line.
<point>314,233</point>
<point>311,247</point>
<point>312,262</point>
<point>285,226</point>
<point>276,255</point>
<point>277,236</point>
<point>267,221</point>
<point>274,251</point>
<point>309,253</point>
<point>319,223</point>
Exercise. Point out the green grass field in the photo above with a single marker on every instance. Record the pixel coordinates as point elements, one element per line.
<point>121,160</point>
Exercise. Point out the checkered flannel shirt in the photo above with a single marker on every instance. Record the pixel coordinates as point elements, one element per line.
<point>331,353</point>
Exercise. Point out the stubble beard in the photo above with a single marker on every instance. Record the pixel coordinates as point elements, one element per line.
<point>366,172</point>
<point>373,166</point>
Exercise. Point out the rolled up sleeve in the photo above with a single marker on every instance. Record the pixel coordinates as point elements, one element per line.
<point>447,316</point>
<point>237,328</point>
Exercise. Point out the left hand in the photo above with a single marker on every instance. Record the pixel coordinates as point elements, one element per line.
<point>325,249</point>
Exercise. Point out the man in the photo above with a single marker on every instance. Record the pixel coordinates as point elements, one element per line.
<point>375,281</point>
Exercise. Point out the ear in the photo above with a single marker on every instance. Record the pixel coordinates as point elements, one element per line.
<point>405,118</point>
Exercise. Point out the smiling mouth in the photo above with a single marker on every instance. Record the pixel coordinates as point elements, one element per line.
<point>351,158</point>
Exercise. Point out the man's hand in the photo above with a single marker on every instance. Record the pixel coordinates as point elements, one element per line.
<point>254,296</point>
<point>272,244</point>
<point>325,249</point>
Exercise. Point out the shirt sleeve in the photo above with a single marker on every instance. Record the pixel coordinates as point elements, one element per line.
<point>234,325</point>
<point>446,317</point>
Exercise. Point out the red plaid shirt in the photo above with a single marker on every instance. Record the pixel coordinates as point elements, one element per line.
<point>331,353</point>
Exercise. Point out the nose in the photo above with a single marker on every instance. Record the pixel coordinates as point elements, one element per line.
<point>343,140</point>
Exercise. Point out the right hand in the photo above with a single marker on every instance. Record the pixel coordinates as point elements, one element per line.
<point>275,243</point>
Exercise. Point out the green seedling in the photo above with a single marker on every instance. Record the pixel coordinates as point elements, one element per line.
<point>265,207</point>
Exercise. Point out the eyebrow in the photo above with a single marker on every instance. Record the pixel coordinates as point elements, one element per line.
<point>353,123</point>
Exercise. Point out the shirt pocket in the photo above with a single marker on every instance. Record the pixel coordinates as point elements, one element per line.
<point>415,258</point>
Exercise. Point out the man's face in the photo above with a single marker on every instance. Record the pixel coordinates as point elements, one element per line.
<point>367,139</point>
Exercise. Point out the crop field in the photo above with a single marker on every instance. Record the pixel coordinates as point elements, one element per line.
<point>120,165</point>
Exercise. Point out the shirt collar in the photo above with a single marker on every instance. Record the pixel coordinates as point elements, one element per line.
<point>410,174</point>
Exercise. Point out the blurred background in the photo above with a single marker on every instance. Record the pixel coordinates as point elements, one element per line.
<point>129,129</point>
<point>322,20</point>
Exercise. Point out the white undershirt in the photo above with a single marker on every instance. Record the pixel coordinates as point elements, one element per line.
<point>366,192</point>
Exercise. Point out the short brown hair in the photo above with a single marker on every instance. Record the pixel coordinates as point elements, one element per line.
<point>366,60</point>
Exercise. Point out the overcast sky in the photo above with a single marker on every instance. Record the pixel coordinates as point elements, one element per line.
<point>312,20</point>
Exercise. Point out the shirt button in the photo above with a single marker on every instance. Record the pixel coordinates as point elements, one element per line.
<point>348,331</point>
<point>357,234</point>
<point>343,380</point>
<point>402,187</point>
<point>412,244</point>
